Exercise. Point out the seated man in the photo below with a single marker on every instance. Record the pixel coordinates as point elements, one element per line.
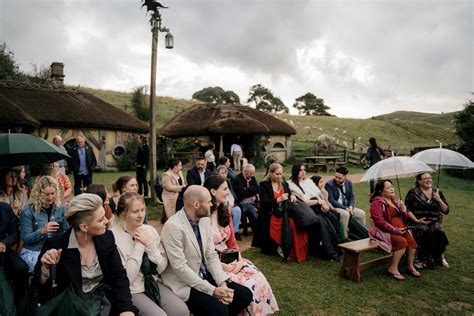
<point>194,271</point>
<point>198,174</point>
<point>246,188</point>
<point>342,199</point>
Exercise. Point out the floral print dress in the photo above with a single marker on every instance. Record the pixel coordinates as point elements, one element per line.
<point>263,302</point>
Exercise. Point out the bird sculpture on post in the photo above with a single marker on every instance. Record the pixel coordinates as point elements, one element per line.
<point>153,5</point>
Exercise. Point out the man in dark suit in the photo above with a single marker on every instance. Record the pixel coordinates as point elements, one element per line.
<point>246,188</point>
<point>198,174</point>
<point>83,163</point>
<point>341,197</point>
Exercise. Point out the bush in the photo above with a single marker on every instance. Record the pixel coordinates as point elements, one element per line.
<point>126,161</point>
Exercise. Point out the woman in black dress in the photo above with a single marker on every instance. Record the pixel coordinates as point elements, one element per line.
<point>424,201</point>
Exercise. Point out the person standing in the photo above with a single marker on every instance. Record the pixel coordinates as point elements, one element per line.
<point>58,141</point>
<point>210,157</point>
<point>194,271</point>
<point>374,155</point>
<point>236,153</point>
<point>143,159</point>
<point>83,164</point>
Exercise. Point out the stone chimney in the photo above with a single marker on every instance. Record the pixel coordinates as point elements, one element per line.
<point>57,74</point>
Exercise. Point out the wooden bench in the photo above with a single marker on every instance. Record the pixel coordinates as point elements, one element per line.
<point>352,265</point>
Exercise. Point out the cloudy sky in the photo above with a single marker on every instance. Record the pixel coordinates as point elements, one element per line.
<point>362,57</point>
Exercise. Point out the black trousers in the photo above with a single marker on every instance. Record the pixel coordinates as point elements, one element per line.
<point>16,270</point>
<point>81,181</point>
<point>200,303</point>
<point>141,180</point>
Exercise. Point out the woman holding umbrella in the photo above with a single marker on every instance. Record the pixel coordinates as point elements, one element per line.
<point>423,201</point>
<point>11,193</point>
<point>389,216</point>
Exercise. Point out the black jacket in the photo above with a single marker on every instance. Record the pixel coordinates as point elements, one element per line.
<point>193,177</point>
<point>268,203</point>
<point>69,269</point>
<point>9,231</point>
<point>143,156</point>
<point>240,187</point>
<point>91,162</point>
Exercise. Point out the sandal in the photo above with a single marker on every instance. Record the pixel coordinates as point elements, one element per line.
<point>397,276</point>
<point>414,273</point>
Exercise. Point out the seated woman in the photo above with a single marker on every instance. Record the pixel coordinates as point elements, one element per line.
<point>134,240</point>
<point>274,191</point>
<point>65,186</point>
<point>101,191</point>
<point>241,271</point>
<point>11,193</point>
<point>222,171</point>
<point>21,177</point>
<point>173,188</point>
<point>123,184</point>
<point>41,219</point>
<point>423,201</point>
<point>326,230</point>
<point>389,215</point>
<point>16,269</point>
<point>86,258</point>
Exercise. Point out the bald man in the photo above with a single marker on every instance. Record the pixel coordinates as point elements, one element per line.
<point>194,271</point>
<point>83,163</point>
<point>58,141</point>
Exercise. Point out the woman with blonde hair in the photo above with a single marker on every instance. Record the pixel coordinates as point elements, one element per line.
<point>139,244</point>
<point>41,219</point>
<point>86,258</point>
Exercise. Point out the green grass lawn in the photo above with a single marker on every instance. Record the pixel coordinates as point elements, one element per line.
<point>314,287</point>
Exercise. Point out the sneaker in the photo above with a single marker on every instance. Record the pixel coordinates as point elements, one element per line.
<point>444,262</point>
<point>419,265</point>
<point>238,237</point>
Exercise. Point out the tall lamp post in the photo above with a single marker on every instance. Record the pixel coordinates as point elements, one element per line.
<point>155,21</point>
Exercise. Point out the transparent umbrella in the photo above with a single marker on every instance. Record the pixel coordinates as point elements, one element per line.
<point>442,158</point>
<point>395,167</point>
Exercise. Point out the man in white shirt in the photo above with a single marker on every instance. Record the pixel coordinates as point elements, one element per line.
<point>236,153</point>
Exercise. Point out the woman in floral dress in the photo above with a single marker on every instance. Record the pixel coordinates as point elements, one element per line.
<point>241,271</point>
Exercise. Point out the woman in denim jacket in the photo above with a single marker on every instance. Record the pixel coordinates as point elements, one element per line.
<point>41,219</point>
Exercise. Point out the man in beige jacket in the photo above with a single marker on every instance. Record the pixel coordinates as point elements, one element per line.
<point>194,271</point>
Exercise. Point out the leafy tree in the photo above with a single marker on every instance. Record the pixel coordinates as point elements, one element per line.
<point>465,129</point>
<point>309,104</point>
<point>265,100</point>
<point>216,95</point>
<point>140,104</point>
<point>9,69</point>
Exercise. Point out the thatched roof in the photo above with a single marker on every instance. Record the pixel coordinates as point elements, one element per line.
<point>205,119</point>
<point>27,105</point>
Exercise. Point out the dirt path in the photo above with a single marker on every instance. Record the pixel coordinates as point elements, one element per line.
<point>247,241</point>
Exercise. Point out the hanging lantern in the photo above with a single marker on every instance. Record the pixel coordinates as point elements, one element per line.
<point>169,41</point>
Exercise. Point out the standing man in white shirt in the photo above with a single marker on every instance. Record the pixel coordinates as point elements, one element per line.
<point>236,153</point>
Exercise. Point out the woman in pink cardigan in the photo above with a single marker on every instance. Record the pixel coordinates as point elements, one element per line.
<point>388,228</point>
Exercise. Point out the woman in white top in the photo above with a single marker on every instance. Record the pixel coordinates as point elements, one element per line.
<point>135,239</point>
<point>323,238</point>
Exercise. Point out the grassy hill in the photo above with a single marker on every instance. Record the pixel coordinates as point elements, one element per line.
<point>400,131</point>
<point>443,119</point>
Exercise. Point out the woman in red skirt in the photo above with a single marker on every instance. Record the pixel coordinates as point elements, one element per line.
<point>389,215</point>
<point>273,191</point>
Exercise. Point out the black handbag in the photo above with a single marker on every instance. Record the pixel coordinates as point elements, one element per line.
<point>158,186</point>
<point>229,255</point>
<point>302,214</point>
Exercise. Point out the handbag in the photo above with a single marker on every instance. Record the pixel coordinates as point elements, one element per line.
<point>229,255</point>
<point>158,186</point>
<point>302,214</point>
<point>152,290</point>
<point>383,239</point>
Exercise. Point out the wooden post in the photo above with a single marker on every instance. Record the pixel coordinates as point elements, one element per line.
<point>154,49</point>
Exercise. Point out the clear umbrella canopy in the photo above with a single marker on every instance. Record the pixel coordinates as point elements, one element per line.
<point>395,167</point>
<point>444,158</point>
